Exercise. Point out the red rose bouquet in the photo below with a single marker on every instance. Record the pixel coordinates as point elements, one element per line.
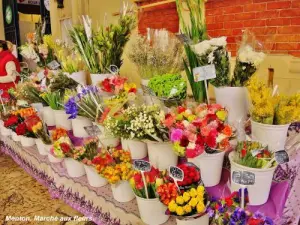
<point>12,122</point>
<point>191,176</point>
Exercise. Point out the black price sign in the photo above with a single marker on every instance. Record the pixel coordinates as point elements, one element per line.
<point>243,177</point>
<point>176,173</point>
<point>281,157</point>
<point>93,130</point>
<point>142,165</point>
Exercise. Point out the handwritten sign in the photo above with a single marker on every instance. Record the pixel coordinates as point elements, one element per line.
<point>243,177</point>
<point>176,173</point>
<point>93,130</point>
<point>281,157</point>
<point>54,65</point>
<point>142,165</point>
<point>204,73</point>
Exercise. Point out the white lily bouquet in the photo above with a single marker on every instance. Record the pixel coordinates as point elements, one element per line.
<point>213,52</point>
<point>248,60</point>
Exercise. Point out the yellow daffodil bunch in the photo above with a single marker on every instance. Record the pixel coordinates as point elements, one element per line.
<point>189,203</point>
<point>270,109</point>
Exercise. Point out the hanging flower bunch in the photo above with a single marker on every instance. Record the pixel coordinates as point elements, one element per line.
<point>138,122</point>
<point>154,179</point>
<point>87,103</point>
<point>192,130</point>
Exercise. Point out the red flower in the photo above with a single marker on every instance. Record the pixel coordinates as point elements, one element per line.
<point>210,141</point>
<point>65,148</point>
<point>21,129</point>
<point>253,221</point>
<point>139,184</point>
<point>181,109</point>
<point>184,142</point>
<point>229,201</point>
<point>152,175</point>
<point>31,121</point>
<point>132,90</point>
<point>13,120</point>
<point>244,152</point>
<point>105,85</point>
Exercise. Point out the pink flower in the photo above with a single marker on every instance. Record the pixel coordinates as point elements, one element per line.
<point>192,128</point>
<point>205,131</point>
<point>176,135</point>
<point>192,137</point>
<point>169,120</point>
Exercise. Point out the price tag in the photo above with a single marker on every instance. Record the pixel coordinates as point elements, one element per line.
<point>256,152</point>
<point>281,157</point>
<point>204,73</point>
<point>243,177</point>
<point>184,39</point>
<point>54,65</point>
<point>142,165</point>
<point>176,173</point>
<point>92,130</point>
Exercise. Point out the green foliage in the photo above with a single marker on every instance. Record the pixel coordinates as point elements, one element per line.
<point>168,86</point>
<point>62,82</point>
<point>242,73</point>
<point>54,99</point>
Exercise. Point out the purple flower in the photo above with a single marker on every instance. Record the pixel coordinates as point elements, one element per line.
<point>71,108</point>
<point>176,135</point>
<point>268,221</point>
<point>210,212</point>
<point>238,217</point>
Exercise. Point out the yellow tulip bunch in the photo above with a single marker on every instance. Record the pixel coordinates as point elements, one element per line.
<point>118,172</point>
<point>190,202</point>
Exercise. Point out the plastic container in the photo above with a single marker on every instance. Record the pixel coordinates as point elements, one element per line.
<point>62,120</point>
<point>27,142</point>
<point>78,125</point>
<point>122,191</point>
<point>74,168</point>
<point>138,149</point>
<point>203,220</point>
<point>15,137</point>
<point>94,179</point>
<point>48,116</point>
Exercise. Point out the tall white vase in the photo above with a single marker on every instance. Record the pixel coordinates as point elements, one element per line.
<point>62,120</point>
<point>48,116</point>
<point>122,191</point>
<point>78,125</point>
<point>94,179</point>
<point>235,100</point>
<point>259,192</point>
<point>273,135</point>
<point>210,166</point>
<point>138,149</point>
<point>74,168</point>
<point>161,155</point>
<point>152,211</point>
<point>96,78</point>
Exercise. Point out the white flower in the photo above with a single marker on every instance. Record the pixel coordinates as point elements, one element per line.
<point>247,54</point>
<point>201,48</point>
<point>186,123</point>
<point>221,41</point>
<point>191,145</point>
<point>211,57</point>
<point>220,137</point>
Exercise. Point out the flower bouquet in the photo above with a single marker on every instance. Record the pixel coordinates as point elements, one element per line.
<point>11,122</point>
<point>271,114</point>
<point>254,157</point>
<point>116,167</point>
<point>152,211</point>
<point>169,88</point>
<point>61,82</point>
<point>54,154</point>
<point>29,92</point>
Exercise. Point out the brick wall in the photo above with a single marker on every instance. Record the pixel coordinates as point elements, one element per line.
<point>274,21</point>
<point>157,17</point>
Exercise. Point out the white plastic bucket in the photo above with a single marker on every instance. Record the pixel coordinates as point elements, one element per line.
<point>61,120</point>
<point>235,100</point>
<point>273,135</point>
<point>138,149</point>
<point>39,108</point>
<point>161,155</point>
<point>15,137</point>
<point>203,220</point>
<point>122,191</point>
<point>97,78</point>
<point>5,131</point>
<point>78,125</point>
<point>94,179</point>
<point>79,77</point>
<point>210,166</point>
<point>27,142</point>
<point>74,168</point>
<point>48,116</point>
<point>152,211</point>
<point>53,159</point>
<point>109,141</point>
<point>41,147</point>
<point>259,192</point>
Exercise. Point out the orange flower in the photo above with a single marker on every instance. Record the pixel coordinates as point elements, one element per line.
<point>58,133</point>
<point>224,144</point>
<point>227,131</point>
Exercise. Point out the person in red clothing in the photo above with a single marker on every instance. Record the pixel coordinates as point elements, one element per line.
<point>9,70</point>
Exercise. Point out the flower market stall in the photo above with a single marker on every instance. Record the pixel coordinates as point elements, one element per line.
<point>153,153</point>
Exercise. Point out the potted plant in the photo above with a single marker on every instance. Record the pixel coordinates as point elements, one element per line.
<point>117,171</point>
<point>253,157</point>
<point>201,135</point>
<point>271,115</point>
<point>152,211</point>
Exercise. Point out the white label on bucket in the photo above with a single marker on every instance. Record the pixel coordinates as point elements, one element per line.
<point>142,165</point>
<point>243,177</point>
<point>204,73</point>
<point>176,173</point>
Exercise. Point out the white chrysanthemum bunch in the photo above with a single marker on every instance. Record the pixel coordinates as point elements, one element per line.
<point>247,54</point>
<point>28,52</point>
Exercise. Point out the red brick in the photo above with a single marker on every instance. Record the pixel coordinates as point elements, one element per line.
<point>287,46</point>
<point>231,39</point>
<point>210,19</point>
<point>279,5</point>
<point>294,53</point>
<point>214,12</point>
<point>295,4</point>
<point>245,16</point>
<point>237,32</point>
<point>215,26</point>
<point>263,30</point>
<point>282,38</point>
<point>296,21</point>
<point>267,14</point>
<point>259,1</point>
<point>255,7</point>
<point>223,33</point>
<point>289,30</point>
<point>254,23</point>
<point>233,24</point>
<point>289,12</point>
<point>243,2</point>
<point>233,9</point>
<point>224,18</point>
<point>279,22</point>
<point>294,38</point>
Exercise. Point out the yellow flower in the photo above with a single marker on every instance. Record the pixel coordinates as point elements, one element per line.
<point>193,202</point>
<point>200,207</point>
<point>193,192</point>
<point>172,206</point>
<point>200,189</point>
<point>186,196</point>
<point>179,200</point>
<point>128,86</point>
<point>159,181</point>
<point>187,208</point>
<point>191,118</point>
<point>222,115</point>
<point>179,211</point>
